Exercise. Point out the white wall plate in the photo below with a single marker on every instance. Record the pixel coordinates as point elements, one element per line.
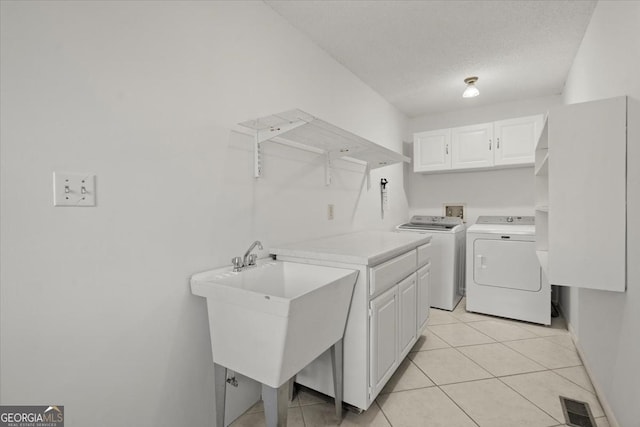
<point>74,189</point>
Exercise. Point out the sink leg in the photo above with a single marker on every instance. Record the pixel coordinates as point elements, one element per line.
<point>220,381</point>
<point>336,368</point>
<point>292,388</point>
<point>276,404</point>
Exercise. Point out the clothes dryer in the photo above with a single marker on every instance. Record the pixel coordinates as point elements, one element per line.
<point>504,277</point>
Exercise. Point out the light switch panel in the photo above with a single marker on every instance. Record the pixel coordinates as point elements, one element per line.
<point>74,189</point>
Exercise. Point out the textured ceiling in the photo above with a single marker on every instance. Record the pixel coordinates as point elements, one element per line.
<point>417,53</point>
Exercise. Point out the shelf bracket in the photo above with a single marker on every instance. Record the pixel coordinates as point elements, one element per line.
<point>367,172</point>
<point>266,134</point>
<point>257,157</point>
<point>273,131</point>
<point>327,169</point>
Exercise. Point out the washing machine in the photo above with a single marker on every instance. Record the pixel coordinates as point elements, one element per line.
<point>504,277</point>
<point>447,259</point>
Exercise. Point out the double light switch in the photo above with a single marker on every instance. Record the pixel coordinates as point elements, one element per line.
<point>74,189</point>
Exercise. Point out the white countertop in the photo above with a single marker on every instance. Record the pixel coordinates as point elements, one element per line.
<point>362,248</point>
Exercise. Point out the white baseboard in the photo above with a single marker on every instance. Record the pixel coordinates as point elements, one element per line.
<point>599,393</point>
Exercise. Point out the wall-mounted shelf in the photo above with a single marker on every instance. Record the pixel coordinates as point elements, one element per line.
<point>302,130</point>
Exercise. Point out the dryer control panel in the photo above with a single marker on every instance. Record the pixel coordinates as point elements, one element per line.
<point>515,220</point>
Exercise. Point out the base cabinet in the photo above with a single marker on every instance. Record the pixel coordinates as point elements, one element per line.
<point>384,338</point>
<point>389,310</point>
<point>424,302</point>
<point>407,292</point>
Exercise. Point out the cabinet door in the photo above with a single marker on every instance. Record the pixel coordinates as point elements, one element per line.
<point>588,195</point>
<point>407,290</point>
<point>510,264</point>
<point>432,150</point>
<point>472,146</point>
<point>384,339</point>
<point>423,302</point>
<point>516,140</point>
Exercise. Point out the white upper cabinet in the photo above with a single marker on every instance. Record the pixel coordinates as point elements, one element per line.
<point>515,140</point>
<point>505,143</point>
<point>587,185</point>
<point>432,150</point>
<point>472,146</point>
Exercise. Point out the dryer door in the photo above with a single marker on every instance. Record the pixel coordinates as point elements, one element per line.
<point>506,263</point>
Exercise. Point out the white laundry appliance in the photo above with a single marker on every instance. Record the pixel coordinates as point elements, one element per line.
<point>504,277</point>
<point>447,258</point>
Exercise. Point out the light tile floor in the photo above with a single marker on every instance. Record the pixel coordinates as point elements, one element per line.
<point>470,370</point>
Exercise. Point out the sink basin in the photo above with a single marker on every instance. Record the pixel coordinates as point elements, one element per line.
<point>269,321</point>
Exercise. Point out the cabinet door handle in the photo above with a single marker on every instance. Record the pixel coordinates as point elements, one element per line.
<point>498,144</point>
<point>489,145</point>
<point>446,149</point>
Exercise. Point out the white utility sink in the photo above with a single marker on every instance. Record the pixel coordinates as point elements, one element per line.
<point>269,321</point>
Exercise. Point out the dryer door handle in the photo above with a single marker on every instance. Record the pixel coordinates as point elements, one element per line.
<point>480,260</point>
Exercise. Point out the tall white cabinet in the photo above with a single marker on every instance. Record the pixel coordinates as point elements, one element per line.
<point>581,195</point>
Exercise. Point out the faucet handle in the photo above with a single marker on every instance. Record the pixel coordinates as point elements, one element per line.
<point>237,263</point>
<point>252,259</point>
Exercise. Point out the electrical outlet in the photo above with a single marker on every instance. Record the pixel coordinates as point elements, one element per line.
<point>330,209</point>
<point>74,189</point>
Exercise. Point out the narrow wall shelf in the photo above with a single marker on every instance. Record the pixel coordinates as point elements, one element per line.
<point>542,167</point>
<point>543,140</point>
<point>302,130</point>
<point>543,258</point>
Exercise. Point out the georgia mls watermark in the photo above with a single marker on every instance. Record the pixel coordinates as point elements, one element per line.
<point>32,416</point>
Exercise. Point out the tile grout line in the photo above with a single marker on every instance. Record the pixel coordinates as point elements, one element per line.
<point>547,369</point>
<point>456,403</point>
<point>507,324</point>
<point>571,381</point>
<point>424,373</point>
<point>499,378</point>
<point>527,399</point>
<point>445,393</point>
<point>540,363</point>
<point>462,323</point>
<point>382,411</point>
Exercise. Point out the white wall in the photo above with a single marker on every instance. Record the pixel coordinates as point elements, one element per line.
<point>498,192</point>
<point>607,65</point>
<point>96,310</point>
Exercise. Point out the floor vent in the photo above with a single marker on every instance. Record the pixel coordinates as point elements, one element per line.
<point>576,413</point>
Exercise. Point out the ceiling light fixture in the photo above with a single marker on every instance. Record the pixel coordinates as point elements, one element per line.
<point>471,89</point>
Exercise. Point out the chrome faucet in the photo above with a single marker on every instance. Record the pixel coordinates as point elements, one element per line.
<point>248,259</point>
